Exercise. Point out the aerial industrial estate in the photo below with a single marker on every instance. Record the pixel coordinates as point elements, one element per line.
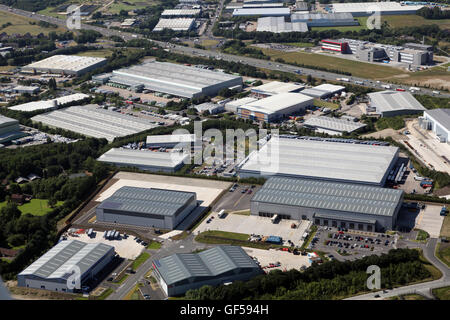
<point>229,150</point>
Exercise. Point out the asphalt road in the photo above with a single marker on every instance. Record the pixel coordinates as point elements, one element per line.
<point>4,294</point>
<point>209,53</point>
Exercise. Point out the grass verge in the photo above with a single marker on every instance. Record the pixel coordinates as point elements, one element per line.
<point>140,260</point>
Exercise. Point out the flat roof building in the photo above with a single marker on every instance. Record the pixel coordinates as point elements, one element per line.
<point>26,89</point>
<point>70,65</point>
<point>177,24</point>
<point>94,121</point>
<point>332,126</point>
<point>53,269</point>
<point>322,91</point>
<point>147,207</point>
<point>181,272</point>
<point>212,108</point>
<point>393,103</point>
<point>170,140</point>
<point>279,25</point>
<point>340,45</point>
<point>175,79</point>
<point>276,107</point>
<point>178,13</point>
<point>51,104</point>
<point>145,160</point>
<point>234,104</point>
<point>262,12</point>
<point>9,129</point>
<point>276,87</point>
<point>321,160</point>
<point>325,19</point>
<point>437,120</point>
<point>331,204</point>
<point>360,9</point>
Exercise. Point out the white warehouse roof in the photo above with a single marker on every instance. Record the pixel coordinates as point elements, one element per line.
<point>279,25</point>
<point>276,87</point>
<point>67,63</point>
<point>144,159</point>
<point>321,160</point>
<point>95,122</point>
<point>333,124</point>
<point>277,103</point>
<point>5,121</point>
<point>385,7</point>
<point>171,138</point>
<point>179,24</point>
<point>389,101</point>
<point>180,12</point>
<point>49,104</point>
<point>268,12</point>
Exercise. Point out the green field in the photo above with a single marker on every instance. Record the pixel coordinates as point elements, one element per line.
<point>324,104</point>
<point>102,53</point>
<point>140,260</point>
<point>37,207</point>
<point>21,25</point>
<point>154,245</point>
<point>443,253</point>
<point>442,293</point>
<point>129,5</point>
<point>398,21</point>
<point>300,44</point>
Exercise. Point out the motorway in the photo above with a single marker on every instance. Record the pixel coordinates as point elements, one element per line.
<point>228,57</point>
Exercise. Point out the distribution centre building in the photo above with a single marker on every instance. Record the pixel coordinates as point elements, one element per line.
<point>279,25</point>
<point>93,121</point>
<point>333,204</point>
<point>262,12</point>
<point>180,13</point>
<point>321,160</point>
<point>70,65</point>
<point>147,207</point>
<point>9,129</point>
<point>275,108</point>
<point>53,269</point>
<point>170,140</point>
<point>175,79</point>
<point>145,160</point>
<point>437,120</point>
<point>275,87</point>
<point>181,272</point>
<point>332,126</point>
<point>177,24</point>
<point>362,9</point>
<point>51,104</point>
<point>324,19</point>
<point>393,103</point>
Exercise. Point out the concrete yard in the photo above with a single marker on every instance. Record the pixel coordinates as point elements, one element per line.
<point>430,220</point>
<point>257,225</point>
<point>287,260</point>
<point>125,248</point>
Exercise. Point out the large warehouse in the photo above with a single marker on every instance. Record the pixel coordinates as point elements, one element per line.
<point>9,129</point>
<point>262,12</point>
<point>332,204</point>
<point>321,160</point>
<point>234,104</point>
<point>70,65</point>
<point>175,79</point>
<point>181,272</point>
<point>52,270</point>
<point>361,9</point>
<point>177,24</point>
<point>51,104</point>
<point>394,103</point>
<point>279,25</point>
<point>145,160</point>
<point>323,91</point>
<point>324,19</point>
<point>147,207</point>
<point>170,140</point>
<point>332,126</point>
<point>180,13</point>
<point>437,120</point>
<point>93,121</point>
<point>275,87</point>
<point>275,108</point>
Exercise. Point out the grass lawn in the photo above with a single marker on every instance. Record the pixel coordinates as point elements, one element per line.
<point>320,103</point>
<point>103,53</point>
<point>21,25</point>
<point>140,260</point>
<point>37,207</point>
<point>154,245</point>
<point>301,44</point>
<point>129,5</point>
<point>445,229</point>
<point>442,293</point>
<point>443,253</point>
<point>398,21</point>
<point>232,238</point>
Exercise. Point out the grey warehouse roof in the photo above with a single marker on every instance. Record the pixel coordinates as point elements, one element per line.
<point>321,160</point>
<point>171,138</point>
<point>209,263</point>
<point>90,120</point>
<point>334,196</point>
<point>5,121</point>
<point>440,115</point>
<point>56,262</point>
<point>334,124</point>
<point>278,25</point>
<point>388,100</point>
<point>143,158</point>
<point>176,79</point>
<point>147,201</point>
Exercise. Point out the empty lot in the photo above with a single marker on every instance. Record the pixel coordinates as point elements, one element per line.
<point>287,260</point>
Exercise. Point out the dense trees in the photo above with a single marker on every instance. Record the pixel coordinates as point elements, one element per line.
<point>433,13</point>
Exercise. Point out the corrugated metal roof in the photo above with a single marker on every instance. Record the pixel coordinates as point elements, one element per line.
<point>56,262</point>
<point>388,100</point>
<point>147,201</point>
<point>276,87</point>
<point>209,263</point>
<point>171,138</point>
<point>329,195</point>
<point>442,116</point>
<point>278,102</point>
<point>278,25</point>
<point>335,124</point>
<point>5,121</point>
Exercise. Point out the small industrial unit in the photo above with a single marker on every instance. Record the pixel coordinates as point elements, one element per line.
<point>53,269</point>
<point>438,121</point>
<point>181,272</point>
<point>394,103</point>
<point>331,204</point>
<point>147,207</point>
